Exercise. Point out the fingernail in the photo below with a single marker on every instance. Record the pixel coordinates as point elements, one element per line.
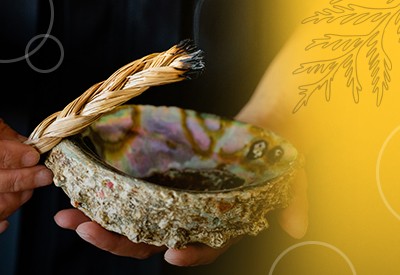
<point>174,258</point>
<point>169,257</point>
<point>30,159</point>
<point>44,177</point>
<point>83,234</point>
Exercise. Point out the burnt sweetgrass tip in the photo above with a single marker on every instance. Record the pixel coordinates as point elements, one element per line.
<point>180,62</point>
<point>194,65</point>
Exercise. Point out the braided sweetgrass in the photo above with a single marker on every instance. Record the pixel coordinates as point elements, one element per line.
<point>182,61</point>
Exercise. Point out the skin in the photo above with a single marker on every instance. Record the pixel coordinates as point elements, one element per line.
<point>293,220</point>
<point>20,174</point>
<point>270,107</point>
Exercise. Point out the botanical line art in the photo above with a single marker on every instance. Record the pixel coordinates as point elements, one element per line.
<point>348,50</point>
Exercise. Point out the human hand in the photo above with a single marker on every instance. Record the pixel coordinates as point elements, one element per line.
<point>294,218</point>
<point>192,255</point>
<point>20,173</point>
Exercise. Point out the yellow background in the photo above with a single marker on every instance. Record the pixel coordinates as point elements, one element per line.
<point>348,145</point>
<point>354,225</point>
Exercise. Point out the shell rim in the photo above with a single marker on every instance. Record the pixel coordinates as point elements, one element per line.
<point>77,140</point>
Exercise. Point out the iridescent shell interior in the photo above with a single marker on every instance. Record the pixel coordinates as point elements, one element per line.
<point>184,149</point>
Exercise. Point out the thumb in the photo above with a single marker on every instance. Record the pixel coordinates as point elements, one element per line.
<point>294,218</point>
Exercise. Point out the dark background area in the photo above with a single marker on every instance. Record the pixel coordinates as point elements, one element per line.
<point>235,35</point>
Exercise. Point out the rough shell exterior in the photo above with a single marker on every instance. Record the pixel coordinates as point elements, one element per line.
<point>160,215</point>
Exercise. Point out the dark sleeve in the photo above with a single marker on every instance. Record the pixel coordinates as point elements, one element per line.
<point>90,39</point>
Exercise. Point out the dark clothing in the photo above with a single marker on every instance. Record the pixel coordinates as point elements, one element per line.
<point>98,37</point>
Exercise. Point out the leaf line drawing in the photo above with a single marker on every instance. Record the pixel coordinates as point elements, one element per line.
<point>346,51</point>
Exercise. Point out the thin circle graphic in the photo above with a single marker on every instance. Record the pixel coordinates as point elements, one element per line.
<point>378,175</point>
<point>327,245</point>
<point>45,36</point>
<point>59,62</point>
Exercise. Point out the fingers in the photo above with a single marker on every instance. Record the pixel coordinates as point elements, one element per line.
<point>19,173</point>
<point>102,238</point>
<point>13,153</point>
<point>70,218</point>
<point>17,166</point>
<point>17,155</point>
<point>17,180</point>
<point>115,243</point>
<point>294,218</point>
<point>195,254</point>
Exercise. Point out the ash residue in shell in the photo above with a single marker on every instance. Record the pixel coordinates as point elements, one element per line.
<point>196,180</point>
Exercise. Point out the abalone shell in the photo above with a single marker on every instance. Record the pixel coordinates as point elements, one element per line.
<point>171,176</point>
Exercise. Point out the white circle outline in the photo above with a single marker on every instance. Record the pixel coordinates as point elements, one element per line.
<point>378,175</point>
<point>45,36</point>
<point>59,45</point>
<point>318,243</point>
